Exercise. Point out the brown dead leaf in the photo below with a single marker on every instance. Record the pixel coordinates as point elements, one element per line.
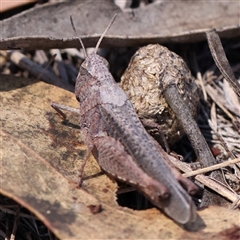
<point>39,167</point>
<point>162,21</point>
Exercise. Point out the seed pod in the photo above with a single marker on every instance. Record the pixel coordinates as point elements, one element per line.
<point>150,70</point>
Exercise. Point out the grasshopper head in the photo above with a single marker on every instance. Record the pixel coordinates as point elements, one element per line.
<point>95,65</point>
<point>94,68</point>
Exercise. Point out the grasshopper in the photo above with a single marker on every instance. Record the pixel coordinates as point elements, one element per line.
<point>116,137</point>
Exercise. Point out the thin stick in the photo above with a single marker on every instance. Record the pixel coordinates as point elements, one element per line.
<point>45,69</point>
<point>100,39</point>
<point>36,70</point>
<point>221,61</point>
<point>200,146</point>
<point>177,104</point>
<point>205,180</point>
<point>211,168</point>
<point>7,209</point>
<point>13,235</point>
<point>80,40</point>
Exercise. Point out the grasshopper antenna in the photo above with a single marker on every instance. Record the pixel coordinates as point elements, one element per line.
<point>100,39</point>
<point>80,40</point>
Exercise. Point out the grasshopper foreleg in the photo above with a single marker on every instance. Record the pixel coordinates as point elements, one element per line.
<point>58,107</point>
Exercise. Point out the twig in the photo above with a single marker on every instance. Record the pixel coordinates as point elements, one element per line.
<point>13,235</point>
<point>220,59</point>
<point>189,125</point>
<point>223,191</point>
<point>211,168</point>
<point>196,138</point>
<point>9,211</point>
<point>35,69</point>
<point>60,64</point>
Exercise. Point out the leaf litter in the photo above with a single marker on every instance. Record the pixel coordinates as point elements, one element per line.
<point>218,119</point>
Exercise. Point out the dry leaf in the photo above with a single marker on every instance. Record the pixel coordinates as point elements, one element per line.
<point>39,167</point>
<point>162,21</point>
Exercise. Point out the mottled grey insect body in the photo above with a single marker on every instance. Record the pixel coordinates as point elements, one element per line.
<point>114,134</point>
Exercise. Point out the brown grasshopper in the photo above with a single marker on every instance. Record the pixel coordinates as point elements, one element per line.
<point>114,134</point>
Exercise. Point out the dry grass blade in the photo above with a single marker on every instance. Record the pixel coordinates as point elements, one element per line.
<point>214,95</point>
<point>211,168</point>
<point>220,59</point>
<point>15,224</point>
<point>208,182</point>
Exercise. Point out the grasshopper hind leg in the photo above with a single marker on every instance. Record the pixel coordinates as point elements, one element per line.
<point>113,158</point>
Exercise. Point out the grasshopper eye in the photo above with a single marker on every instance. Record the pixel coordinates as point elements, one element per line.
<point>77,98</point>
<point>85,65</point>
<point>83,70</point>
